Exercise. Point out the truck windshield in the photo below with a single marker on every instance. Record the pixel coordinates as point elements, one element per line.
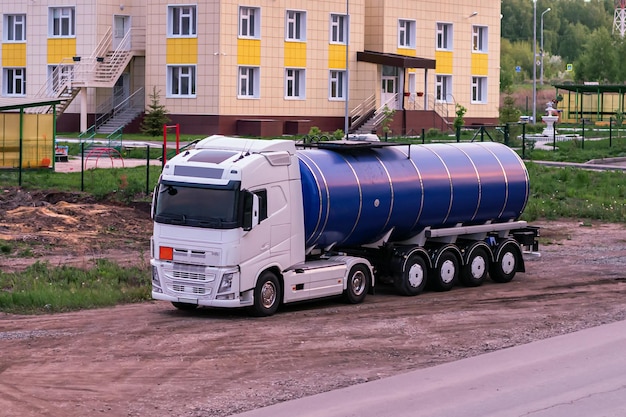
<point>197,206</point>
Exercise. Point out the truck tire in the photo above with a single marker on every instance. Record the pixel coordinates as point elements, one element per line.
<point>474,272</point>
<point>446,271</point>
<point>358,283</point>
<point>267,295</point>
<point>411,280</point>
<point>505,266</point>
<point>184,306</point>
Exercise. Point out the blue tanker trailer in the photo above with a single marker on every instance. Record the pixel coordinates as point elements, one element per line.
<point>255,223</point>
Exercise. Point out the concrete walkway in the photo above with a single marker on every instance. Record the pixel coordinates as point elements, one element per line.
<point>580,374</point>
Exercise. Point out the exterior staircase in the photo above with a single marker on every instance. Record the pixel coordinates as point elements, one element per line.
<point>101,69</point>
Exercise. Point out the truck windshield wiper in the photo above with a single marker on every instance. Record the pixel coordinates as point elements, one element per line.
<point>172,218</point>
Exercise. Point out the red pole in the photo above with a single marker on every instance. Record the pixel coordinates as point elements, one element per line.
<point>177,137</point>
<point>164,144</point>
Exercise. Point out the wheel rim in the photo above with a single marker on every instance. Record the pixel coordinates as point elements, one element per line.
<point>508,263</point>
<point>358,283</point>
<point>447,271</point>
<point>477,267</point>
<point>416,275</point>
<point>268,295</point>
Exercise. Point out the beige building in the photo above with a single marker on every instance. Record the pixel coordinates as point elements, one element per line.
<point>266,67</point>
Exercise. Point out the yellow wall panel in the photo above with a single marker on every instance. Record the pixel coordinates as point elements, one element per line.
<point>13,54</point>
<point>182,51</point>
<point>295,54</point>
<point>249,52</point>
<point>337,56</point>
<point>480,64</point>
<point>406,52</point>
<point>61,49</point>
<point>444,62</point>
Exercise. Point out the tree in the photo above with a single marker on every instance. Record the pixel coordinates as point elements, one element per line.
<point>459,121</point>
<point>508,112</point>
<point>155,117</point>
<point>599,61</point>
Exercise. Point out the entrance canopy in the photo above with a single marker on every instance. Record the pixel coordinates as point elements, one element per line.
<point>395,60</point>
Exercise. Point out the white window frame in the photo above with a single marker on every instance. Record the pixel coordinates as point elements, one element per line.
<point>337,85</point>
<point>295,25</point>
<point>445,36</point>
<point>443,87</point>
<point>479,90</point>
<point>14,80</point>
<point>248,82</point>
<point>56,18</point>
<point>407,33</point>
<point>182,21</point>
<point>295,83</point>
<point>339,28</point>
<point>59,74</point>
<point>15,28</point>
<point>181,81</point>
<point>249,22</point>
<point>480,36</point>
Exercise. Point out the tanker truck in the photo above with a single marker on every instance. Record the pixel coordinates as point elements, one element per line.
<point>260,223</point>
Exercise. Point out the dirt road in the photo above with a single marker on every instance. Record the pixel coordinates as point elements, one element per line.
<point>150,359</point>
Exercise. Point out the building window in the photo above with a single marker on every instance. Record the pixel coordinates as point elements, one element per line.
<point>60,76</point>
<point>338,28</point>
<point>295,25</point>
<point>479,39</point>
<point>294,83</point>
<point>249,22</point>
<point>61,22</point>
<point>406,33</point>
<point>181,81</point>
<point>249,82</point>
<point>337,85</point>
<point>14,82</point>
<point>443,88</point>
<point>15,25</point>
<point>479,89</point>
<point>181,21</point>
<point>444,36</point>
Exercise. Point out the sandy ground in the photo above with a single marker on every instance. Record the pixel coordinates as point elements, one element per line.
<point>74,164</point>
<point>151,359</point>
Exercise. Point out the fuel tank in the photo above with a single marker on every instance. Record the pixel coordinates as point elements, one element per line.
<point>356,197</point>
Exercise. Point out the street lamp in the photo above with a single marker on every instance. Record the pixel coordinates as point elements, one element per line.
<point>534,61</point>
<point>544,12</point>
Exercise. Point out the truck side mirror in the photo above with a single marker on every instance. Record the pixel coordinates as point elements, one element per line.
<point>251,211</point>
<point>153,206</point>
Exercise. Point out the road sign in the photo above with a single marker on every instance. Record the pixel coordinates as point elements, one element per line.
<point>570,67</point>
<point>518,69</point>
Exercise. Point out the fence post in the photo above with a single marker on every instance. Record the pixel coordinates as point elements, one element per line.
<point>458,134</point>
<point>583,140</point>
<point>506,134</point>
<point>523,140</point>
<point>82,166</point>
<point>147,169</point>
<point>423,136</point>
<point>610,132</point>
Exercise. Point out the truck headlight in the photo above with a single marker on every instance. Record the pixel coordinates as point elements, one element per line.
<point>155,276</point>
<point>227,282</point>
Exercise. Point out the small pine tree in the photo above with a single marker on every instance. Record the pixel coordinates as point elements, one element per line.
<point>155,117</point>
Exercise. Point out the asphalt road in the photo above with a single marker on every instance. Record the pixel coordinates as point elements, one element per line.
<point>580,374</point>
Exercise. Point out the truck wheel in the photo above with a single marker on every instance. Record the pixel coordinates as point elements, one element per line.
<point>267,295</point>
<point>357,284</point>
<point>184,306</point>
<point>446,272</point>
<point>473,274</point>
<point>412,280</point>
<point>505,266</point>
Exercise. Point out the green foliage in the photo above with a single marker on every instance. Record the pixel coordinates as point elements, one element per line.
<point>387,119</point>
<point>315,131</point>
<point>509,112</point>
<point>44,289</point>
<point>575,193</point>
<point>459,120</point>
<point>155,117</point>
<point>120,184</point>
